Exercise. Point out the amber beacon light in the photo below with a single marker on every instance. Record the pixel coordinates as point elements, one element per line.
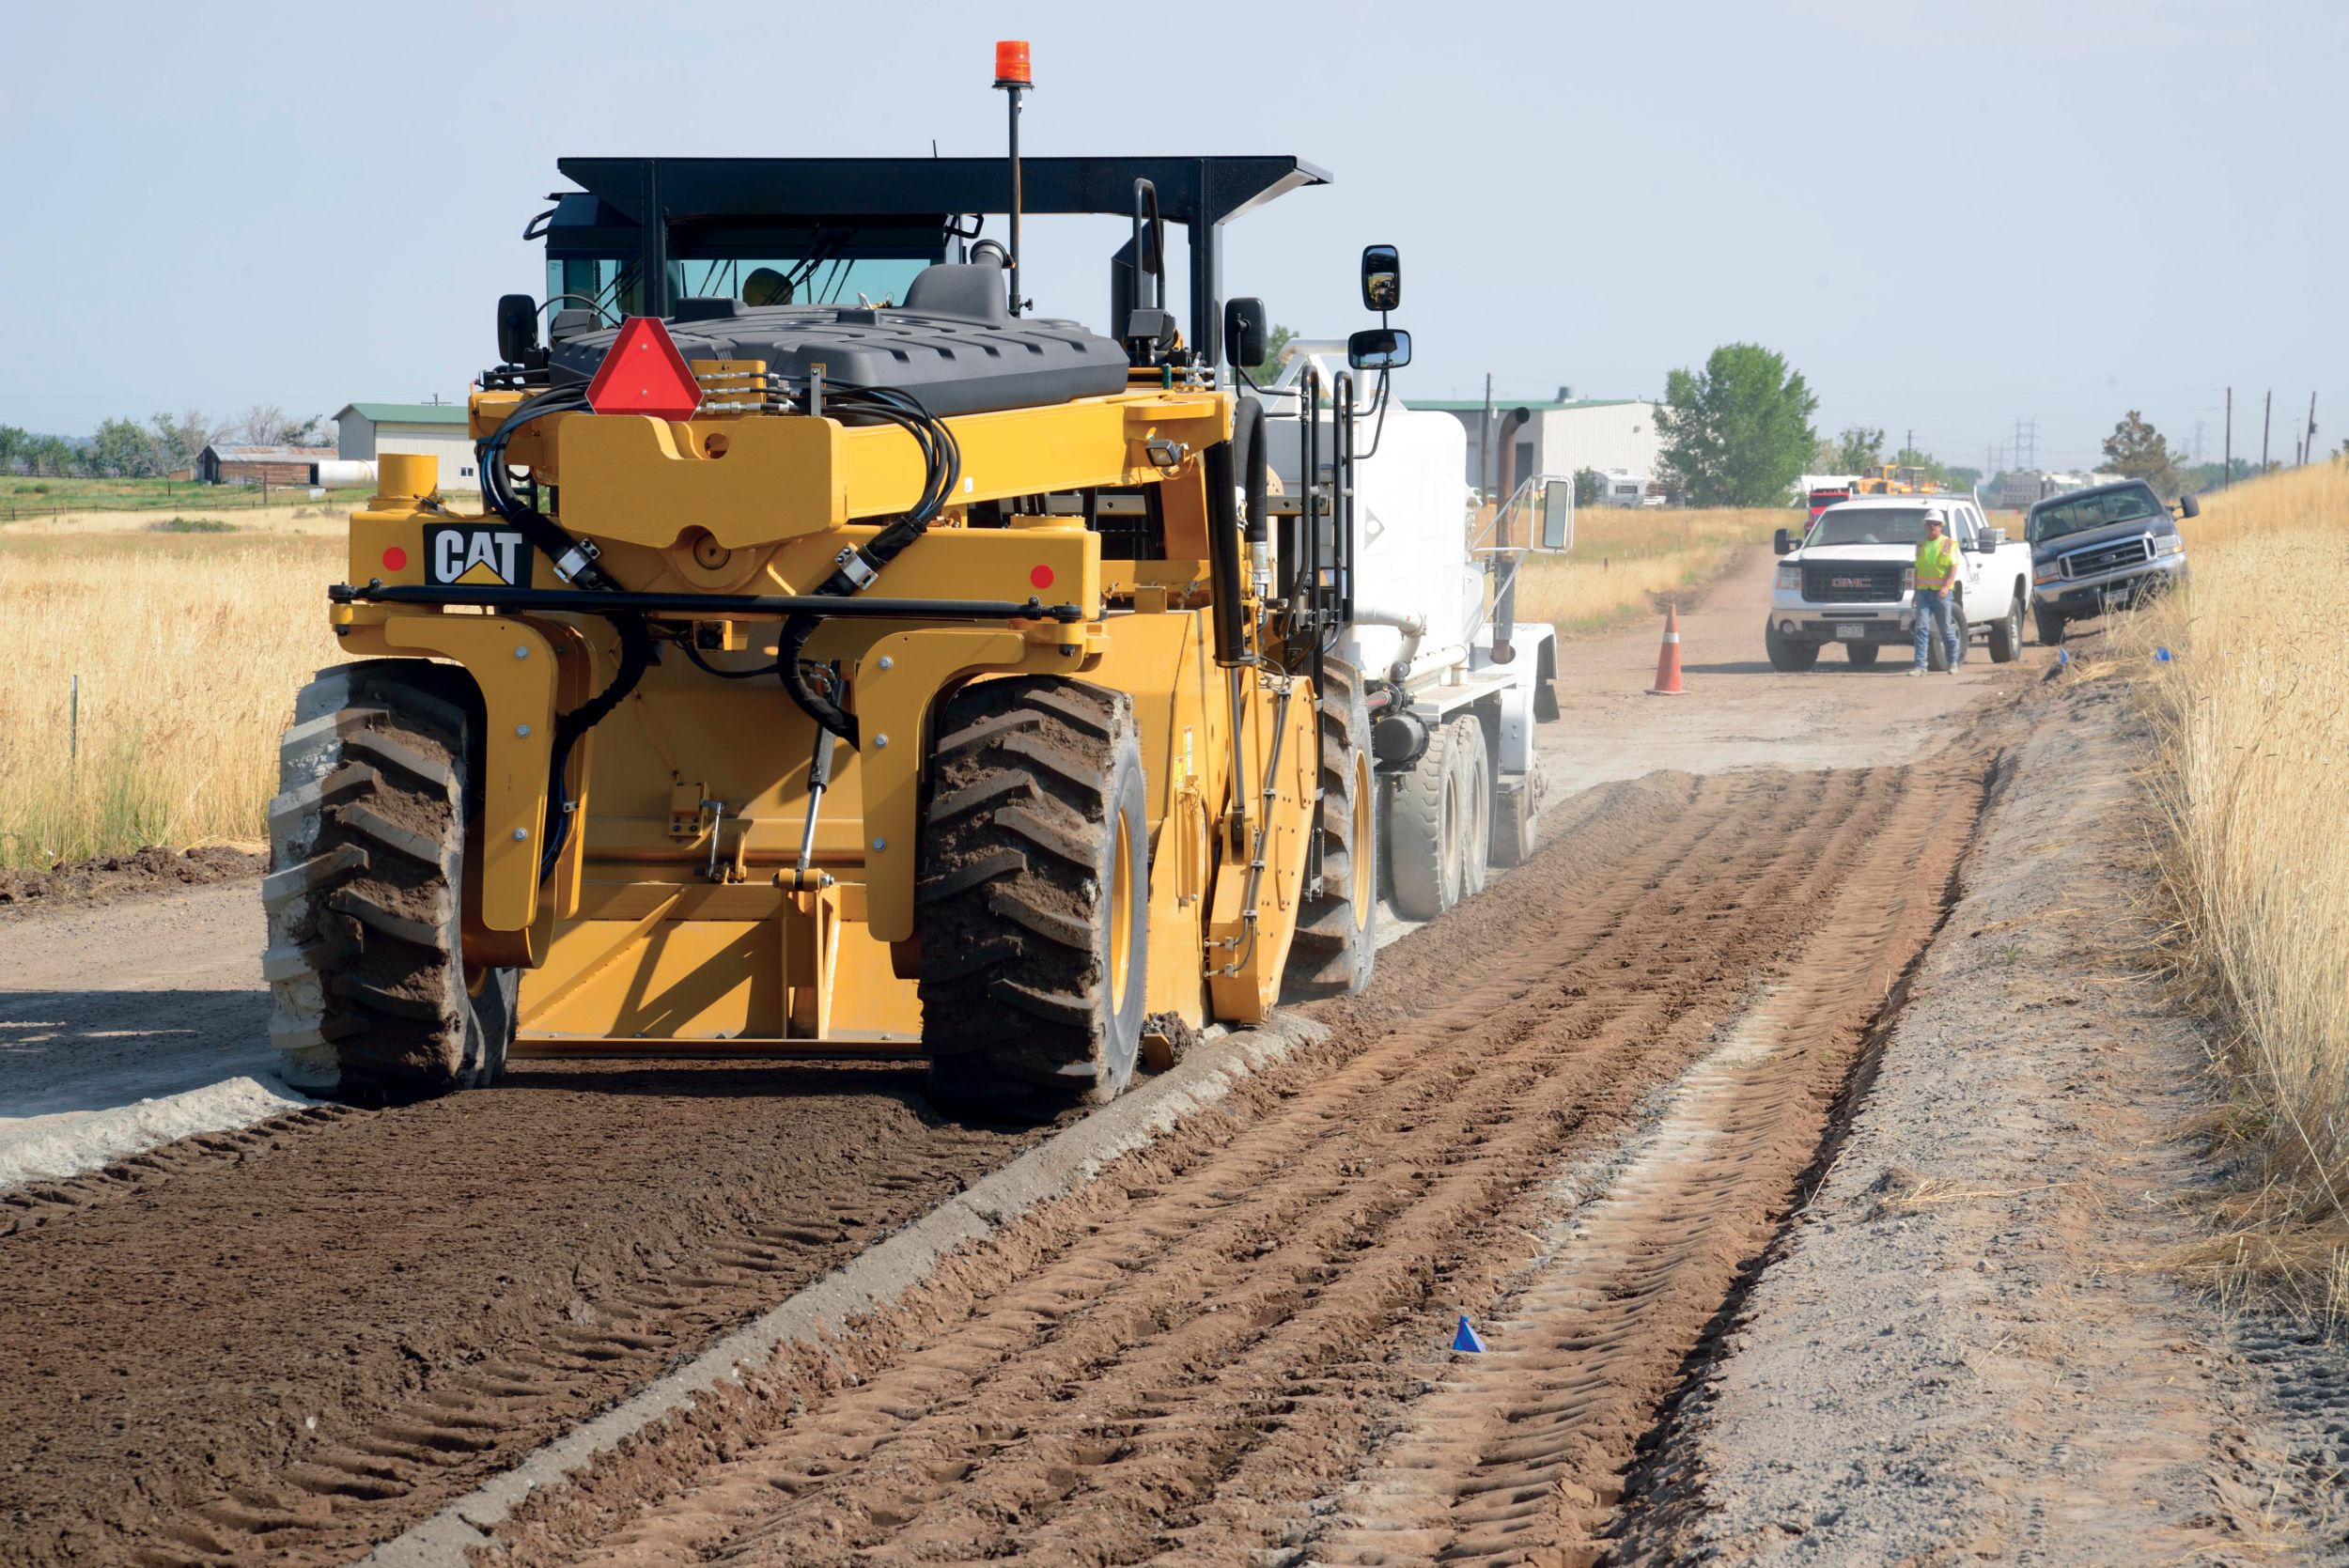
<point>1011,63</point>
<point>1012,74</point>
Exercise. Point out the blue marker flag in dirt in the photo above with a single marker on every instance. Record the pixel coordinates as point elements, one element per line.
<point>1468,1338</point>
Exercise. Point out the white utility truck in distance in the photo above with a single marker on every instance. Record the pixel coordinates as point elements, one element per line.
<point>1452,685</point>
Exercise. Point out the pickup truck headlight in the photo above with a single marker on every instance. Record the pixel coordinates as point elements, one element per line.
<point>2046,572</point>
<point>1908,579</point>
<point>1789,579</point>
<point>2168,544</point>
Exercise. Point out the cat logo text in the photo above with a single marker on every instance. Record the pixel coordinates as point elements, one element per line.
<point>476,555</point>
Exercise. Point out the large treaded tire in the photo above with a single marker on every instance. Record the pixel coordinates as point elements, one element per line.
<point>2049,627</point>
<point>2006,634</point>
<point>1787,656</point>
<point>1474,759</point>
<point>1423,830</point>
<point>1033,896</point>
<point>1337,933</point>
<point>370,996</point>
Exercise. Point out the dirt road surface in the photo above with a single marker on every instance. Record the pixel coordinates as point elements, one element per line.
<point>281,1343</point>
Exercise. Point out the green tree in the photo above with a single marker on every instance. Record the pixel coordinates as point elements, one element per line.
<point>1738,432</point>
<point>2137,451</point>
<point>1275,340</point>
<point>123,449</point>
<point>1588,486</point>
<point>1857,450</point>
<point>178,441</point>
<point>1961,478</point>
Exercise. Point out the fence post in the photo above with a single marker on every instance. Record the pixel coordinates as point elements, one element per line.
<point>73,732</point>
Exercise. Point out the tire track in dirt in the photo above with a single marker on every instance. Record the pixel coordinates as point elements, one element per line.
<point>1182,1359</point>
<point>287,1342</point>
<point>1520,1451</point>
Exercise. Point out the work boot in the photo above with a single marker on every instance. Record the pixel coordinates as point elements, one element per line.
<point>1917,669</point>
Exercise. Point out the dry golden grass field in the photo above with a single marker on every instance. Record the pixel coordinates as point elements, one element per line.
<point>1625,559</point>
<point>189,649</point>
<point>2251,712</point>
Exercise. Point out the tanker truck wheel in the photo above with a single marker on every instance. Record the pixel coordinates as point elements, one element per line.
<point>1425,815</point>
<point>1035,896</point>
<point>1337,933</point>
<point>371,998</point>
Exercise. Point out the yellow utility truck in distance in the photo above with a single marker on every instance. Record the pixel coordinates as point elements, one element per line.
<point>847,662</point>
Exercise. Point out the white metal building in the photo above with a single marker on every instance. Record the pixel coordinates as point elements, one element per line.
<point>1563,435</point>
<point>365,431</point>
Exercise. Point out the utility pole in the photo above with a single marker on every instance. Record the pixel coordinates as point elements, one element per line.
<point>2267,417</point>
<point>1484,444</point>
<point>2225,470</point>
<point>2308,445</point>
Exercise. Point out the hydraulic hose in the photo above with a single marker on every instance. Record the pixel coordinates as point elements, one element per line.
<point>635,654</point>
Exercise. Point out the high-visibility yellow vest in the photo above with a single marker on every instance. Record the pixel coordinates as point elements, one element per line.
<point>1936,565</point>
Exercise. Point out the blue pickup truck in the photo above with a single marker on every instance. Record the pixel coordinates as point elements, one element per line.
<point>2107,548</point>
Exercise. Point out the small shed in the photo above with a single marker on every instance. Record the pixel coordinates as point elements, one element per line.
<point>225,464</point>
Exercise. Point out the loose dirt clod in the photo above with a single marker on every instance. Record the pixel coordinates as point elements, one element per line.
<point>151,869</point>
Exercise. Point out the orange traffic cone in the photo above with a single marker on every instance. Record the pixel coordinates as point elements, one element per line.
<point>1668,662</point>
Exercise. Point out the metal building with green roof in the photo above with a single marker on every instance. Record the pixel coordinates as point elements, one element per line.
<point>1561,435</point>
<point>365,431</point>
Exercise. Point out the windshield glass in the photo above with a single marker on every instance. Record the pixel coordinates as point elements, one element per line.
<point>1870,525</point>
<point>608,287</point>
<point>2079,514</point>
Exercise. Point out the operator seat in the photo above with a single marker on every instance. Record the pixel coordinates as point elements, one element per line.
<point>968,290</point>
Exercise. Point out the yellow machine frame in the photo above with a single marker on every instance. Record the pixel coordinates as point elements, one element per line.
<point>673,921</point>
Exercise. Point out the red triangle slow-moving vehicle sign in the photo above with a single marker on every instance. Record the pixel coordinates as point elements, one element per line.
<point>642,373</point>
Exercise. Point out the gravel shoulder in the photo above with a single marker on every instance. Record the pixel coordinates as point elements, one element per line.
<point>1966,1346</point>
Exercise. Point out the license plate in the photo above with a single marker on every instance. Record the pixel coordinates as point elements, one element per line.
<point>1851,634</point>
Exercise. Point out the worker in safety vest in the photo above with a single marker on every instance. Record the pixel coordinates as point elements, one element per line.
<point>1936,574</point>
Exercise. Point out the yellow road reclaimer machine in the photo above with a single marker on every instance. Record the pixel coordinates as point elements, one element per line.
<point>846,661</point>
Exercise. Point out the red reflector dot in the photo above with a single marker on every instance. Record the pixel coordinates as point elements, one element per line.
<point>394,559</point>
<point>1041,577</point>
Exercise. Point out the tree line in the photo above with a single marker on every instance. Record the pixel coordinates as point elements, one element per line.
<point>1738,433</point>
<point>167,443</point>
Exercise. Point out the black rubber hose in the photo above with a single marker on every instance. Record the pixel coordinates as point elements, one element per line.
<point>1225,569</point>
<point>635,655</point>
<point>1255,462</point>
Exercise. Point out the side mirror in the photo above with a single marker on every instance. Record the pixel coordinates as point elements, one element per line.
<point>1378,349</point>
<point>1558,514</point>
<point>1149,243</point>
<point>1783,543</point>
<point>518,330</point>
<point>2188,506</point>
<point>1382,278</point>
<point>1997,537</point>
<point>1244,333</point>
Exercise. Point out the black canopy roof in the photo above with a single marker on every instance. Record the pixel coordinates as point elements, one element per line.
<point>921,193</point>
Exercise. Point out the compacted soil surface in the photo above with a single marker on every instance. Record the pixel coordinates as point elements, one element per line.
<point>1220,1347</point>
<point>1974,1345</point>
<point>295,1341</point>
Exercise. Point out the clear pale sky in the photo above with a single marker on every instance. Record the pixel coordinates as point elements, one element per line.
<point>1948,217</point>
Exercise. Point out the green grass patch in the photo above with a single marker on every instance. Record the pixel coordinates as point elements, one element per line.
<point>191,526</point>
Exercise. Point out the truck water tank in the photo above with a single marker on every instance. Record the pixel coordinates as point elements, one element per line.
<point>342,474</point>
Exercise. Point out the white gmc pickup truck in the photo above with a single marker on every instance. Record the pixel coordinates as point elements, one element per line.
<point>1850,581</point>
